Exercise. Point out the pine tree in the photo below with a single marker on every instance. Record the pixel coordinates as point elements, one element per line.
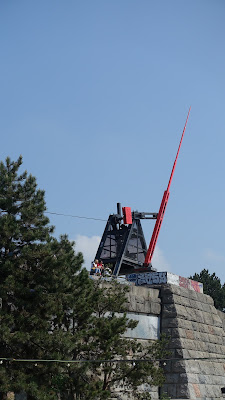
<point>212,286</point>
<point>29,257</point>
<point>52,310</point>
<point>103,339</point>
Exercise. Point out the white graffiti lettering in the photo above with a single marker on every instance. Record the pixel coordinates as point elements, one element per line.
<point>148,278</point>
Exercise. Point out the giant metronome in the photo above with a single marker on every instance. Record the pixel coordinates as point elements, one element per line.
<point>123,244</point>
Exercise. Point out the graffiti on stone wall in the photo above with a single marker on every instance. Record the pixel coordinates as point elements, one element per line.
<point>197,286</point>
<point>157,278</point>
<point>191,285</point>
<point>184,282</point>
<point>148,278</point>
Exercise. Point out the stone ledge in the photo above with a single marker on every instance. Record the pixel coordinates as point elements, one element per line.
<point>167,290</point>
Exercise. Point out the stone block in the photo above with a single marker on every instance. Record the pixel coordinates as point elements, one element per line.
<point>212,329</point>
<point>183,323</point>
<point>213,348</point>
<point>169,323</point>
<point>155,308</point>
<point>181,311</point>
<point>139,308</point>
<point>183,391</point>
<point>211,368</point>
<point>203,298</point>
<point>202,379</point>
<point>139,299</point>
<point>147,308</point>
<point>202,328</point>
<point>216,321</point>
<point>201,346</point>
<point>199,317</point>
<point>184,301</point>
<point>179,353</point>
<point>189,334</point>
<point>195,326</point>
<point>193,295</point>
<point>183,378</point>
<point>175,344</point>
<point>201,336</point>
<point>208,319</point>
<point>151,293</point>
<point>169,311</point>
<point>213,310</point>
<point>177,332</point>
<point>186,353</point>
<point>180,291</point>
<point>213,391</point>
<point>192,366</point>
<point>206,307</point>
<point>168,298</point>
<point>131,306</point>
<point>170,389</point>
<point>215,380</point>
<point>188,344</point>
<point>215,339</point>
<point>172,378</point>
<point>197,391</point>
<point>178,366</point>
<point>194,304</point>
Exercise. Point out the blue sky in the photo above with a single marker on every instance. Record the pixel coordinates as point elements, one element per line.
<point>94,95</point>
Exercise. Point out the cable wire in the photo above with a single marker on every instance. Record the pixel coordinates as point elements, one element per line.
<point>133,360</point>
<point>69,215</point>
<point>75,216</point>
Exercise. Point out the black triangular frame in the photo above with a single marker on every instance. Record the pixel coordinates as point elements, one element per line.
<point>122,246</point>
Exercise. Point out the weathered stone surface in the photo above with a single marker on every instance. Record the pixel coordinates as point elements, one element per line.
<point>170,390</point>
<point>173,378</point>
<point>182,391</point>
<point>155,308</point>
<point>169,323</point>
<point>144,300</point>
<point>183,378</point>
<point>183,323</point>
<point>178,366</point>
<point>175,344</point>
<point>195,370</point>
<point>196,333</point>
<point>169,311</point>
<point>222,317</point>
<point>196,390</point>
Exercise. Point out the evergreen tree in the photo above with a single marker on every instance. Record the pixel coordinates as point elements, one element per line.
<point>52,310</point>
<point>212,286</point>
<point>103,339</point>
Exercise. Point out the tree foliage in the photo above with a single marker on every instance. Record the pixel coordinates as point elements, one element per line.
<point>52,310</point>
<point>212,286</point>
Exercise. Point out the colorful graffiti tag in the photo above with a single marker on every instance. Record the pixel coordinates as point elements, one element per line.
<point>159,278</point>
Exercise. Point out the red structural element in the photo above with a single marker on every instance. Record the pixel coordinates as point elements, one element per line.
<point>127,216</point>
<point>163,205</point>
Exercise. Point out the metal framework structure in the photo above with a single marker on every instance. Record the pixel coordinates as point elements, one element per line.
<point>123,244</point>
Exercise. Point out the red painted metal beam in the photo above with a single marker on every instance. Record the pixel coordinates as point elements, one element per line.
<point>163,205</point>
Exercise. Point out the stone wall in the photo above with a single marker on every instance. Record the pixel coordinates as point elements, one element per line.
<point>146,303</point>
<point>144,300</point>
<point>196,369</point>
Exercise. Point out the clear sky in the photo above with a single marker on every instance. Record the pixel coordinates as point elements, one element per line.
<point>94,95</point>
